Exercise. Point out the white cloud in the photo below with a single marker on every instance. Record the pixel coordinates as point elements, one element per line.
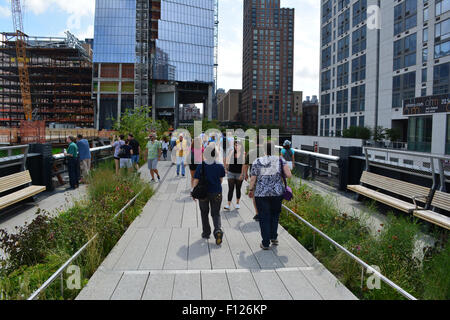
<point>5,12</point>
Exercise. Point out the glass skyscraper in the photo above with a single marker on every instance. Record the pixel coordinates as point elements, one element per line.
<point>185,43</point>
<point>141,46</point>
<point>115,31</point>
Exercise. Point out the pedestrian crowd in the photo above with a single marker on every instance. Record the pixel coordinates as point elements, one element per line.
<point>78,156</point>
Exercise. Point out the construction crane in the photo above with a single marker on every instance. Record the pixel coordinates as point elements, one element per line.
<point>21,58</point>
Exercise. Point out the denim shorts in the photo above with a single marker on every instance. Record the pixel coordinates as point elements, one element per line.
<point>233,176</point>
<point>125,163</point>
<point>135,158</point>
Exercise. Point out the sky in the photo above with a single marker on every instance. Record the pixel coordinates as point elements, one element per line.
<point>54,17</point>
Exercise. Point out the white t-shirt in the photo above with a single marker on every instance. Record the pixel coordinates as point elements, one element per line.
<point>165,145</point>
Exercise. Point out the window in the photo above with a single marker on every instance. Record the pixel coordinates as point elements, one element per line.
<point>425,35</point>
<point>342,4</point>
<point>442,39</point>
<point>325,104</point>
<point>405,16</point>
<point>359,40</point>
<point>343,48</point>
<point>326,34</point>
<point>353,121</point>
<point>359,68</point>
<point>359,12</point>
<point>424,75</point>
<point>338,127</point>
<point>420,131</point>
<point>342,101</point>
<point>344,22</point>
<point>441,80</point>
<point>326,57</point>
<point>342,74</point>
<point>424,55</point>
<point>361,121</point>
<point>326,80</point>
<point>326,11</point>
<point>358,99</point>
<point>447,142</point>
<point>442,6</point>
<point>403,87</point>
<point>405,52</point>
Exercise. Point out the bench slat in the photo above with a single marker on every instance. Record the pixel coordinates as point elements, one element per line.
<point>383,198</point>
<point>14,181</point>
<point>441,200</point>
<point>434,218</point>
<point>402,188</point>
<point>20,195</point>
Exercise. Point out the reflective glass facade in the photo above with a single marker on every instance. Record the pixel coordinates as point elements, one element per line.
<point>185,44</point>
<point>115,31</point>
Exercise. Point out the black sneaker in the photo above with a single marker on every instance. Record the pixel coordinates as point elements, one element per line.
<point>264,248</point>
<point>204,236</point>
<point>218,235</point>
<point>159,178</point>
<point>274,242</point>
<point>256,218</point>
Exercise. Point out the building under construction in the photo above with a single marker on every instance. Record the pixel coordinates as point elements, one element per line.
<point>60,75</point>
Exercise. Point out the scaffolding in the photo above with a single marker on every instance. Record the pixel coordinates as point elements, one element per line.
<point>60,75</point>
<point>142,65</point>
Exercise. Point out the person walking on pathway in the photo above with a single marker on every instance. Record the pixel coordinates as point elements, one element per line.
<point>214,174</point>
<point>173,141</point>
<point>117,143</point>
<point>72,158</point>
<point>181,148</point>
<point>126,155</point>
<point>165,147</point>
<point>288,154</point>
<point>197,150</point>
<point>267,187</point>
<point>250,156</point>
<point>134,144</point>
<point>84,158</point>
<point>235,173</point>
<point>154,149</point>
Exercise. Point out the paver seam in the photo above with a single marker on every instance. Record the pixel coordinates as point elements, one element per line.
<point>115,288</point>
<point>167,248</point>
<point>146,248</point>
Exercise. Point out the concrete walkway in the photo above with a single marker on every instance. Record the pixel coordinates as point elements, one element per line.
<point>163,257</point>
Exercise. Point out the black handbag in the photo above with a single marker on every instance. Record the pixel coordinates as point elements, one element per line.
<point>200,192</point>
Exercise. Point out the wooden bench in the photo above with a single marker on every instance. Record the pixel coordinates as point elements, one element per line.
<point>441,200</point>
<point>415,193</point>
<point>15,181</point>
<point>404,189</point>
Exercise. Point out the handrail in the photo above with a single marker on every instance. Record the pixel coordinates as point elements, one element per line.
<point>62,156</point>
<point>59,272</point>
<point>14,147</point>
<point>315,154</point>
<point>351,255</point>
<point>409,153</point>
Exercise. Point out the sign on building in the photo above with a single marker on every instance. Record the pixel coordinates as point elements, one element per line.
<point>426,105</point>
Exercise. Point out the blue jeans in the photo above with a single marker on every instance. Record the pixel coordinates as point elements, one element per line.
<point>135,159</point>
<point>72,167</point>
<point>180,163</point>
<point>269,209</point>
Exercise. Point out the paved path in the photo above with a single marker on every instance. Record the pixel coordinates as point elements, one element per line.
<point>163,257</point>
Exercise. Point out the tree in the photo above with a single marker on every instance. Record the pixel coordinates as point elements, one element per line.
<point>357,133</point>
<point>139,123</point>
<point>378,134</point>
<point>393,135</point>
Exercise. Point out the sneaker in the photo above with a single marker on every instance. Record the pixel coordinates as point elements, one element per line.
<point>274,242</point>
<point>204,236</point>
<point>256,218</point>
<point>159,178</point>
<point>237,206</point>
<point>264,248</point>
<point>152,181</point>
<point>218,235</point>
<point>227,207</point>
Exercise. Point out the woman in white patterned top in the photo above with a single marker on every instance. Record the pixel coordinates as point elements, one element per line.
<point>267,187</point>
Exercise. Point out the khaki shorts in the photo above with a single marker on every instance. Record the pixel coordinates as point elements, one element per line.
<point>152,164</point>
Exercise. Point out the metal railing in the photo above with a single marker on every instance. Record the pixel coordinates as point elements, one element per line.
<point>363,264</point>
<point>60,272</point>
<point>427,165</point>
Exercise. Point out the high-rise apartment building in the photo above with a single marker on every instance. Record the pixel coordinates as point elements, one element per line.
<point>387,63</point>
<point>157,53</point>
<point>268,61</point>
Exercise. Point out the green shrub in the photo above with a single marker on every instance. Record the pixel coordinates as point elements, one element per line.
<point>392,250</point>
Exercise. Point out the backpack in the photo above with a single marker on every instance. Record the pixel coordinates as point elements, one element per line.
<point>200,192</point>
<point>122,151</point>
